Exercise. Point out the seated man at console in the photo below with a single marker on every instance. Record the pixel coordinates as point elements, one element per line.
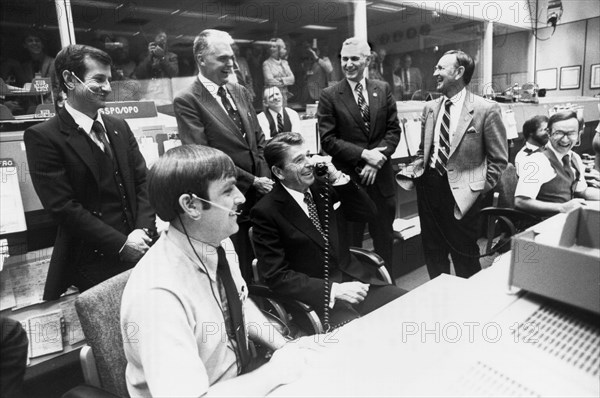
<point>292,224</point>
<point>535,132</point>
<point>186,299</point>
<point>556,183</point>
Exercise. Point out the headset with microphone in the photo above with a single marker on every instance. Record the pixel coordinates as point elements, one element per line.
<point>98,90</point>
<point>231,212</point>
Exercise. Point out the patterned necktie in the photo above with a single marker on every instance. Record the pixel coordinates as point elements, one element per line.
<point>444,149</point>
<point>233,114</point>
<point>101,135</point>
<point>232,310</point>
<point>312,212</point>
<point>362,104</point>
<point>279,123</point>
<point>567,165</point>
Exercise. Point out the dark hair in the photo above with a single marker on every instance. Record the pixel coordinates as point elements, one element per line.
<point>72,58</point>
<point>562,116</point>
<point>184,169</point>
<point>531,126</point>
<point>465,60</point>
<point>276,149</point>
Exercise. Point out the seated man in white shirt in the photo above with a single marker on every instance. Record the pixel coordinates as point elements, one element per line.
<point>536,136</point>
<point>187,300</point>
<point>556,183</point>
<point>276,118</point>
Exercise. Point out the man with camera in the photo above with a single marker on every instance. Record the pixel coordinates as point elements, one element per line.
<point>296,228</point>
<point>159,63</point>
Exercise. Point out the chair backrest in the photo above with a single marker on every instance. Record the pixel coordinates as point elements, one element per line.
<point>505,189</point>
<point>99,313</point>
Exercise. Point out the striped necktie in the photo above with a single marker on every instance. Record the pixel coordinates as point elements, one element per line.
<point>362,104</point>
<point>444,148</point>
<point>279,123</point>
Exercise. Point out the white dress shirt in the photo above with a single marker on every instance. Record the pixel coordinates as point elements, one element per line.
<point>85,122</point>
<point>455,110</point>
<point>213,89</point>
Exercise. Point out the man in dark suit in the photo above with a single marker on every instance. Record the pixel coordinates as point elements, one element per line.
<point>291,224</point>
<point>359,128</point>
<point>219,114</point>
<point>463,152</point>
<point>90,175</point>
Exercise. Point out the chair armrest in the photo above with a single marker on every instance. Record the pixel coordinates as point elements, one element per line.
<point>372,259</point>
<point>88,366</point>
<point>288,305</point>
<point>86,391</point>
<point>512,214</point>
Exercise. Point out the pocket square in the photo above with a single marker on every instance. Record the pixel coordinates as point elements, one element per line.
<point>471,130</point>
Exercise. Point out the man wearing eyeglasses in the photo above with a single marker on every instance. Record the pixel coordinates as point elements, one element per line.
<point>557,183</point>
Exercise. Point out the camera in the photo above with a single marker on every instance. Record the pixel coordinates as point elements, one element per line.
<point>321,169</point>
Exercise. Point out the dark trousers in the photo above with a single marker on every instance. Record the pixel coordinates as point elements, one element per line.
<point>94,269</point>
<point>13,358</point>
<point>381,230</point>
<point>378,295</point>
<point>441,233</point>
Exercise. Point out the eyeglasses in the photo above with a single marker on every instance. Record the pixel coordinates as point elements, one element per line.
<point>559,134</point>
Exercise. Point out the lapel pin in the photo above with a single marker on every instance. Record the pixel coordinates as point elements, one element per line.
<point>374,94</point>
<point>116,132</point>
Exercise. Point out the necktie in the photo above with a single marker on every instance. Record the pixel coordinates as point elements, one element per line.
<point>405,79</point>
<point>279,123</point>
<point>528,151</point>
<point>362,104</point>
<point>312,212</point>
<point>232,310</point>
<point>444,149</point>
<point>101,134</point>
<point>567,165</point>
<point>233,114</point>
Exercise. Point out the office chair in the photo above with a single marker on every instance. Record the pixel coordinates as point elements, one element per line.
<point>102,359</point>
<point>297,312</point>
<point>503,220</point>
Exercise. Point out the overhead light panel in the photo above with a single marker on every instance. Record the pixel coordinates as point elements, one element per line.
<point>239,18</point>
<point>319,27</point>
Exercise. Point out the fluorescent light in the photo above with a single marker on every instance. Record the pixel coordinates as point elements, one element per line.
<point>318,27</point>
<point>239,18</point>
<point>386,7</point>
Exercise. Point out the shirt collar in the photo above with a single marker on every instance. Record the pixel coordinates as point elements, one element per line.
<point>297,195</point>
<point>203,250</point>
<point>211,86</point>
<point>558,155</point>
<point>83,120</point>
<point>353,84</point>
<point>276,113</point>
<point>531,146</point>
<point>458,99</point>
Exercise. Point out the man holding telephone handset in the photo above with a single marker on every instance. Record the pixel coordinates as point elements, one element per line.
<point>292,222</point>
<point>159,63</point>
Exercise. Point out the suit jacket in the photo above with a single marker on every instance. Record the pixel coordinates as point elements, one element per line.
<point>290,249</point>
<point>478,149</point>
<point>66,178</point>
<point>202,120</point>
<point>344,135</point>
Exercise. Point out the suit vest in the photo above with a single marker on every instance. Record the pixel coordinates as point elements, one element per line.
<point>287,123</point>
<point>561,188</point>
<point>115,208</point>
